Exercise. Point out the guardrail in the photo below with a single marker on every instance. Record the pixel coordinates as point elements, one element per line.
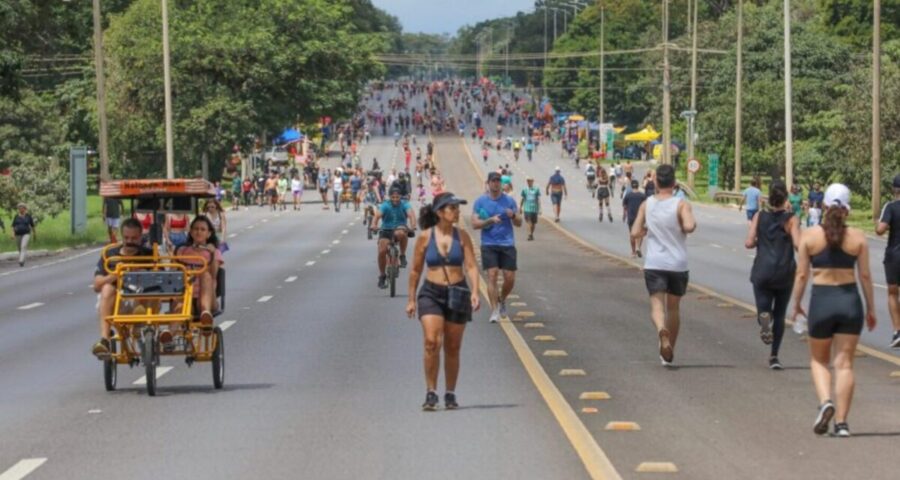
<point>735,198</point>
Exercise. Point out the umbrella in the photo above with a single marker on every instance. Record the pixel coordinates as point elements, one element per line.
<point>576,118</point>
<point>648,134</point>
<point>288,136</point>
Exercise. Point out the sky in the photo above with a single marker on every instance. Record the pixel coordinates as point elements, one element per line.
<point>446,16</point>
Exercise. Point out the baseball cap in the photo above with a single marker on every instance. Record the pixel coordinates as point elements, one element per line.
<point>448,199</point>
<point>558,169</point>
<point>529,179</point>
<point>494,176</point>
<point>837,195</point>
<point>897,181</point>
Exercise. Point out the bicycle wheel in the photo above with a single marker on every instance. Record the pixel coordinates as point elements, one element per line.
<point>110,370</point>
<point>148,356</point>
<point>218,359</point>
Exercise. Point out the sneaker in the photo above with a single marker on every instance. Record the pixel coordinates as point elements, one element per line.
<point>775,364</point>
<point>765,327</point>
<point>530,238</point>
<point>495,316</point>
<point>450,401</point>
<point>841,430</point>
<point>895,342</point>
<point>601,217</point>
<point>665,346</point>
<point>610,218</point>
<point>503,313</point>
<point>826,412</point>
<point>639,254</point>
<point>21,264</point>
<point>101,349</point>
<point>167,341</point>
<point>431,401</point>
<point>665,363</point>
<point>402,261</point>
<point>382,281</point>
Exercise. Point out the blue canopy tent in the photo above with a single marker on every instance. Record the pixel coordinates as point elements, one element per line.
<point>288,136</point>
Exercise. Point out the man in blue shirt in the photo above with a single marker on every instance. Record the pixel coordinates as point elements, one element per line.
<point>751,198</point>
<point>494,214</point>
<point>397,219</point>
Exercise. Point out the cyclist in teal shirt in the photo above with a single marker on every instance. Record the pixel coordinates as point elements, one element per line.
<point>398,219</point>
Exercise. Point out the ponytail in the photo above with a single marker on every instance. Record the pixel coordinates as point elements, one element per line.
<point>427,217</point>
<point>835,226</point>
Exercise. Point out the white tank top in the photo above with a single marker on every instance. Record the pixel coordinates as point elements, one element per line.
<point>666,243</point>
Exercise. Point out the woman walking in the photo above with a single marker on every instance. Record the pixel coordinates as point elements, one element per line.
<point>213,211</point>
<point>839,257</point>
<point>446,301</point>
<point>775,233</point>
<point>23,231</point>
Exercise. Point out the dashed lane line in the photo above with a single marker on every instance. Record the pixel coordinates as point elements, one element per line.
<point>291,279</point>
<point>30,306</point>
<point>335,242</point>
<point>265,298</point>
<point>326,252</point>
<point>227,324</point>
<point>21,469</point>
<point>344,232</point>
<point>160,371</point>
<point>232,235</point>
<point>310,263</point>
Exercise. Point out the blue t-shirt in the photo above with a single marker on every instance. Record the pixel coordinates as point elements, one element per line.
<point>393,216</point>
<point>557,179</point>
<point>751,195</point>
<point>500,234</point>
<point>816,198</point>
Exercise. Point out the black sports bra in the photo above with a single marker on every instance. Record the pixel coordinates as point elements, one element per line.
<point>833,258</point>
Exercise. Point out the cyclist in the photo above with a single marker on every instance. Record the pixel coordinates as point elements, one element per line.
<point>399,218</point>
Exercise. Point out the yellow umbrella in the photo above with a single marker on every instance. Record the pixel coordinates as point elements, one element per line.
<point>575,118</point>
<point>618,129</point>
<point>648,134</point>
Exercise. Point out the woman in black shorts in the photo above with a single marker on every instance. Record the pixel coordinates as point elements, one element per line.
<point>603,193</point>
<point>450,257</point>
<point>838,255</point>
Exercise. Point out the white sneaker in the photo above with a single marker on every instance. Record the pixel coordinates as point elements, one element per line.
<point>503,310</point>
<point>495,316</point>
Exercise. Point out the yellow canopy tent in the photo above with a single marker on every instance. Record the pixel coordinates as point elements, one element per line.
<point>576,118</point>
<point>648,134</point>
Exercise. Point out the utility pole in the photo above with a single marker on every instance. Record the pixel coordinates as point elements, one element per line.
<point>667,87</point>
<point>876,110</point>
<point>101,93</point>
<point>693,118</point>
<point>565,21</point>
<point>738,105</point>
<point>788,91</point>
<point>554,24</point>
<point>602,64</point>
<point>167,86</point>
<point>543,70</point>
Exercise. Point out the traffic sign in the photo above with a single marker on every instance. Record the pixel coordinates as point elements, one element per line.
<point>713,170</point>
<point>693,165</point>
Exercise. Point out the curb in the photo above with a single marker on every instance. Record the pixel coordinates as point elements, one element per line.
<point>14,256</point>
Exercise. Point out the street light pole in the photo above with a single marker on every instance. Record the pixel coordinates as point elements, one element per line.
<point>876,110</point>
<point>788,91</point>
<point>667,86</point>
<point>738,102</point>
<point>602,64</point>
<point>554,25</point>
<point>690,141</point>
<point>102,147</point>
<point>167,86</point>
<point>543,70</point>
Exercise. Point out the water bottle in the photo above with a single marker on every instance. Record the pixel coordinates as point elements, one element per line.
<point>800,325</point>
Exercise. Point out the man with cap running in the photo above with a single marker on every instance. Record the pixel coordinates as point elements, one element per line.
<point>889,223</point>
<point>494,214</point>
<point>556,188</point>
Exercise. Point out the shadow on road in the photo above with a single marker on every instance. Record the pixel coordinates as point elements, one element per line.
<point>188,389</point>
<point>681,367</point>
<point>488,407</point>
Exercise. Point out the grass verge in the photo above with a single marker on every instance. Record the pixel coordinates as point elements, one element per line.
<point>55,233</point>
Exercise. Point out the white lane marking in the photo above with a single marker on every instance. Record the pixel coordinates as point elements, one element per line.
<point>160,371</point>
<point>265,298</point>
<point>232,235</point>
<point>335,242</point>
<point>265,220</point>
<point>50,264</point>
<point>21,469</point>
<point>226,324</point>
<point>352,224</point>
<point>30,306</point>
<point>325,252</point>
<point>310,263</point>
<point>880,285</point>
<point>344,232</point>
<point>95,411</point>
<point>716,245</point>
<point>249,227</point>
<point>290,279</point>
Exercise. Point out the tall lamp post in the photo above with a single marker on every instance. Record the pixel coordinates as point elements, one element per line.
<point>788,91</point>
<point>102,147</point>
<point>693,110</point>
<point>667,87</point>
<point>167,86</point>
<point>738,105</point>
<point>876,110</point>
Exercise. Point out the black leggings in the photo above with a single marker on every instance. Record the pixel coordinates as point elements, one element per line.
<point>774,301</point>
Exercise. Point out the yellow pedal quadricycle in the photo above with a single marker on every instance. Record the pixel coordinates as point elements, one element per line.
<point>156,312</point>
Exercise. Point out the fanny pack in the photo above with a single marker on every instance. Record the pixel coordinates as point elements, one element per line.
<point>459,297</point>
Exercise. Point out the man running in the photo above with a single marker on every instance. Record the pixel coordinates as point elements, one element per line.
<point>630,206</point>
<point>494,214</point>
<point>531,205</point>
<point>890,223</point>
<point>324,179</point>
<point>751,198</point>
<point>666,221</point>
<point>399,219</point>
<point>556,189</point>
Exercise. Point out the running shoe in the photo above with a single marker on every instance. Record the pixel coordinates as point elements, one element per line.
<point>402,261</point>
<point>431,401</point>
<point>495,316</point>
<point>382,281</point>
<point>639,254</point>
<point>101,349</point>
<point>775,364</point>
<point>665,346</point>
<point>765,327</point>
<point>895,342</point>
<point>665,363</point>
<point>450,401</point>
<point>826,412</point>
<point>530,238</point>
<point>601,217</point>
<point>841,430</point>
<point>610,217</point>
<point>503,313</point>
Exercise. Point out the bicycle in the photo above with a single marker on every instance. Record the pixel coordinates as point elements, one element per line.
<point>392,269</point>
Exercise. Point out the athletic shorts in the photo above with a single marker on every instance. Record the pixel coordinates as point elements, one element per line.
<point>495,256</point>
<point>556,198</point>
<point>751,213</point>
<point>432,300</point>
<point>835,309</point>
<point>892,273</point>
<point>664,281</point>
<point>297,193</point>
<point>272,192</point>
<point>603,192</point>
<point>386,234</point>
<point>113,222</point>
<point>323,191</point>
<point>531,217</point>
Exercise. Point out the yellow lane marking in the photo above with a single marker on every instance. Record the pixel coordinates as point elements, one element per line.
<point>518,304</point>
<point>656,467</point>
<point>524,314</point>
<point>859,353</point>
<point>725,305</point>
<point>589,410</point>
<point>895,374</point>
<point>542,338</point>
<point>512,296</point>
<point>572,372</point>
<point>555,353</point>
<point>622,427</point>
<point>534,325</point>
<point>592,456</point>
<point>594,396</point>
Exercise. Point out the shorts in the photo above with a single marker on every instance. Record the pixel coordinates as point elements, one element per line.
<point>272,193</point>
<point>178,238</point>
<point>556,198</point>
<point>891,272</point>
<point>835,309</point>
<point>387,234</point>
<point>432,300</point>
<point>751,213</point>
<point>603,193</point>
<point>113,222</point>
<point>531,217</point>
<point>664,281</point>
<point>496,256</point>
<point>297,193</point>
<point>323,191</point>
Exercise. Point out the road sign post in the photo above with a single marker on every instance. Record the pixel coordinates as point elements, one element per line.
<point>713,174</point>
<point>78,189</point>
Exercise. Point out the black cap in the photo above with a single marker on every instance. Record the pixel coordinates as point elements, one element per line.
<point>897,181</point>
<point>447,199</point>
<point>494,176</point>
